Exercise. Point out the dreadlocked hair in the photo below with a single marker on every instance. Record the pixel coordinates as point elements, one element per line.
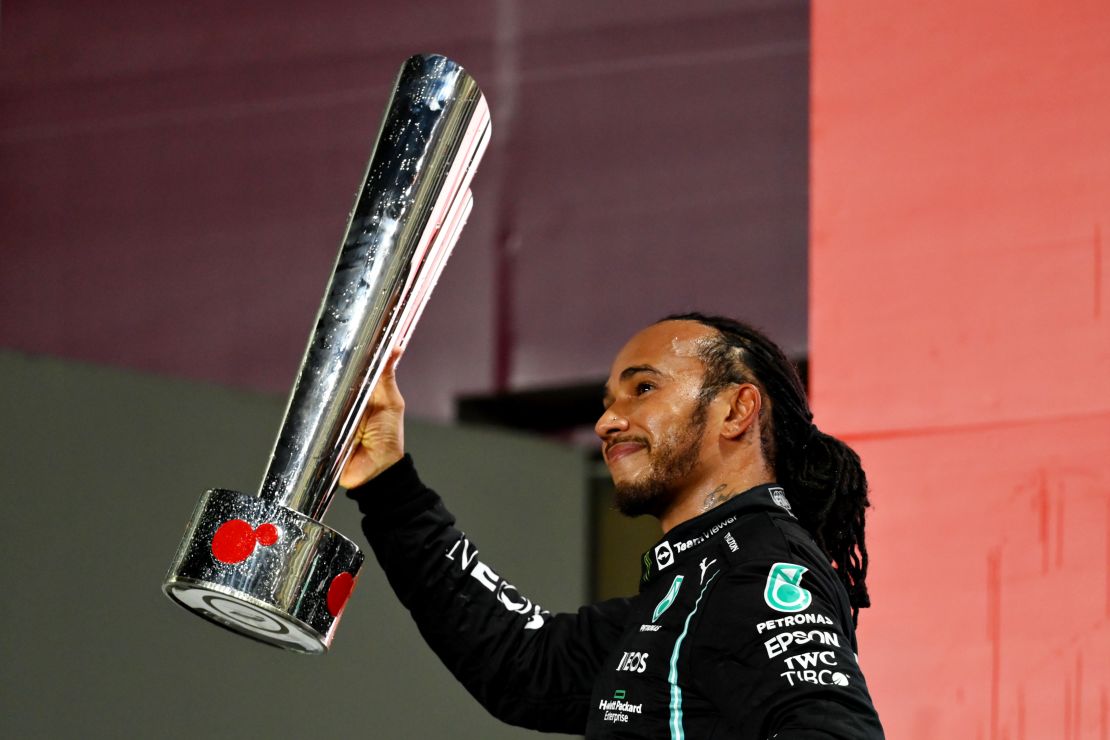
<point>822,475</point>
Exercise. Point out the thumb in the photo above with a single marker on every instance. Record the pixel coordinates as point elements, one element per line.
<point>387,393</point>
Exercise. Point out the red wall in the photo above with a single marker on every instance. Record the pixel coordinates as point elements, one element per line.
<point>960,340</point>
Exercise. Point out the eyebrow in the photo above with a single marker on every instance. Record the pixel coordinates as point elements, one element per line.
<point>628,372</point>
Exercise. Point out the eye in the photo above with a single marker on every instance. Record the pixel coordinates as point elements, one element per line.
<point>643,387</point>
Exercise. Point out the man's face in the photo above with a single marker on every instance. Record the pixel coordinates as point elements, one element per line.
<point>653,430</point>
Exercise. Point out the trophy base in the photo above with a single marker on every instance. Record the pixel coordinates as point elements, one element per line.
<point>246,615</point>
<point>263,570</point>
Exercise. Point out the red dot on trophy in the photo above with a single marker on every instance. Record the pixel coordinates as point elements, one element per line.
<point>264,564</point>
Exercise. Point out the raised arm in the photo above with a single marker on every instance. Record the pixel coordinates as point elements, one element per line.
<point>527,666</point>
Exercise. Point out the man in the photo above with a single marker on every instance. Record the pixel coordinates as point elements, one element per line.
<point>742,627</point>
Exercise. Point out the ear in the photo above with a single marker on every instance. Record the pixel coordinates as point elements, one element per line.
<point>745,401</point>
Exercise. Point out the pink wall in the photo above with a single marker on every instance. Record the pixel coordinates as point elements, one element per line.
<point>960,340</point>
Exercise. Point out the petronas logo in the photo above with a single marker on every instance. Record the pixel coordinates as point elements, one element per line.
<point>667,600</point>
<point>784,588</point>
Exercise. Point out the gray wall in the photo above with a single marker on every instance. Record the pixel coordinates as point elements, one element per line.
<point>102,468</point>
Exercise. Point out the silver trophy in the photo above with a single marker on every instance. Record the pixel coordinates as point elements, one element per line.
<point>265,565</point>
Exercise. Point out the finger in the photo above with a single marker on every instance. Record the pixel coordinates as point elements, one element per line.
<point>387,394</point>
<point>394,359</point>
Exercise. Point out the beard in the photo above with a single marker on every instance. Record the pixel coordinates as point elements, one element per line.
<point>670,462</point>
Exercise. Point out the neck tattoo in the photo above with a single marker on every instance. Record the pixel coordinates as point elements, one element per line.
<point>716,497</point>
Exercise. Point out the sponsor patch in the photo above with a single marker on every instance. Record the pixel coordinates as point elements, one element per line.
<point>664,556</point>
<point>665,603</point>
<point>782,642</point>
<point>784,592</point>
<point>823,677</point>
<point>705,563</point>
<point>779,497</point>
<point>800,619</point>
<point>466,555</point>
<point>617,709</point>
<point>633,661</point>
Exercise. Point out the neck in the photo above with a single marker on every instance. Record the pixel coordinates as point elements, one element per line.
<point>704,497</point>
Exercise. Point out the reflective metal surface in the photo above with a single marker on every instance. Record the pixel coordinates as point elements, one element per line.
<point>264,565</point>
<point>264,570</point>
<point>435,130</point>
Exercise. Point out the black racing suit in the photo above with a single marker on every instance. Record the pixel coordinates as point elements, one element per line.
<point>740,629</point>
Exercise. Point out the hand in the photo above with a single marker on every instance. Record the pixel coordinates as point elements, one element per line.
<point>380,439</point>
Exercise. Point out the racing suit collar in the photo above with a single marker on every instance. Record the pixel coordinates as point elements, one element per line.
<point>680,543</point>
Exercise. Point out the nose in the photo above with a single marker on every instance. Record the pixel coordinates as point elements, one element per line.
<point>610,423</point>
